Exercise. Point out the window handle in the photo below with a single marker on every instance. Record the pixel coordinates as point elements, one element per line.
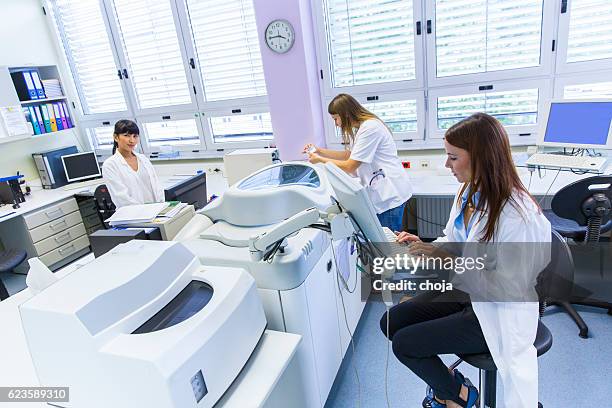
<point>125,74</point>
<point>428,26</point>
<point>192,63</point>
<point>119,74</point>
<point>418,28</point>
<point>563,6</point>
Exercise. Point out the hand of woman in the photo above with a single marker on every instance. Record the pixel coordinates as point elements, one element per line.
<point>406,237</point>
<point>310,148</point>
<point>428,250</point>
<point>314,158</point>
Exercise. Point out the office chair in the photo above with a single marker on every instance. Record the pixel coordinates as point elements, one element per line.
<point>104,203</point>
<point>9,260</point>
<point>555,278</point>
<point>583,211</point>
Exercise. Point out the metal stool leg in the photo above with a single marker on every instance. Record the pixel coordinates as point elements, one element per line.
<point>490,388</point>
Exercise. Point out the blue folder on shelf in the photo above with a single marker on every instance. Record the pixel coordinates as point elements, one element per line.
<point>40,91</point>
<point>67,115</point>
<point>30,85</point>
<point>58,117</point>
<point>33,120</point>
<point>39,119</point>
<point>63,115</point>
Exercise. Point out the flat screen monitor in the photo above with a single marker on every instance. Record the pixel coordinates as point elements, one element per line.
<point>191,191</point>
<point>81,166</point>
<point>581,124</point>
<point>354,199</point>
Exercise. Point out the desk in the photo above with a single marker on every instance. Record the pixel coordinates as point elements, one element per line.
<point>270,377</point>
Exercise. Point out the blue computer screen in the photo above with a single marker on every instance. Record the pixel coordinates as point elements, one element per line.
<point>579,123</point>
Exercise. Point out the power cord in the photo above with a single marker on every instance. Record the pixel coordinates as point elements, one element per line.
<point>549,187</point>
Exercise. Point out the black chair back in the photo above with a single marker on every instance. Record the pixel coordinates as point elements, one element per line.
<point>556,281</point>
<point>104,203</point>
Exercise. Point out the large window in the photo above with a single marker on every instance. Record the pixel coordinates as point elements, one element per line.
<point>179,68</point>
<point>423,65</point>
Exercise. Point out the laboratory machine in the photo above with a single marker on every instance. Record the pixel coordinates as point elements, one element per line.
<point>145,324</point>
<point>271,223</point>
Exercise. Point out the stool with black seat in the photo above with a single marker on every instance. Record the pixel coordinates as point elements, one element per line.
<point>549,281</point>
<point>9,260</point>
<point>104,203</point>
<point>582,211</point>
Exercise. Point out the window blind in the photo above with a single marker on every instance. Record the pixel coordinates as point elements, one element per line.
<point>588,91</point>
<point>370,42</point>
<point>475,36</point>
<point>227,48</point>
<point>87,47</point>
<point>172,132</point>
<point>590,30</point>
<point>400,116</point>
<point>518,107</point>
<point>150,42</point>
<point>241,128</point>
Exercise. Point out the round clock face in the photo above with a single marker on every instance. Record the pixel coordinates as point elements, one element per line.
<point>280,36</point>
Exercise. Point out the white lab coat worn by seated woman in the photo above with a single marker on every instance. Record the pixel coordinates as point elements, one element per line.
<point>510,328</point>
<point>129,187</point>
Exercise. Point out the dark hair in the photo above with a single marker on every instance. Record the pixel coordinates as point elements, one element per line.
<point>494,175</point>
<point>352,115</point>
<point>122,127</point>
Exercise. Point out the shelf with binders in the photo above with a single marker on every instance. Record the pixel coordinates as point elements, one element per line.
<point>48,117</point>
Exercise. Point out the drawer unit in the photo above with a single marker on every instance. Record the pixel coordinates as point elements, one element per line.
<point>48,244</point>
<point>58,210</point>
<point>55,226</point>
<point>58,254</point>
<point>55,234</point>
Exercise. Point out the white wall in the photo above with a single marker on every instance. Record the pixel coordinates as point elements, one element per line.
<point>25,39</point>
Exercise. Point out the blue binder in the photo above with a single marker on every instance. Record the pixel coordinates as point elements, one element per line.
<point>67,115</point>
<point>58,117</point>
<point>40,91</point>
<point>39,119</point>
<point>34,120</point>
<point>30,84</point>
<point>45,116</point>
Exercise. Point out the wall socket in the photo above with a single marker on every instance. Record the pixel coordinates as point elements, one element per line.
<point>424,164</point>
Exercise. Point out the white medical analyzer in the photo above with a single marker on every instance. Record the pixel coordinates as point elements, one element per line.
<point>268,224</point>
<point>145,325</point>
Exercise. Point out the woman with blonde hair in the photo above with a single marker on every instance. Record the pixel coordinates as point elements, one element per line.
<point>370,153</point>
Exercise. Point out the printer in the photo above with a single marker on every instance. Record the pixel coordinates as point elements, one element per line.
<point>146,325</point>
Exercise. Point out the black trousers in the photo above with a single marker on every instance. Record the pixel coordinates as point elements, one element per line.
<point>428,325</point>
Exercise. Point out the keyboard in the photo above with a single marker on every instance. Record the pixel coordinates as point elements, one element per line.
<point>390,235</point>
<point>567,162</point>
<point>83,185</point>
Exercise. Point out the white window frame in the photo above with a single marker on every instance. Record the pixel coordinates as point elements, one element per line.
<point>520,134</point>
<point>231,111</point>
<point>402,139</point>
<point>328,91</point>
<point>562,66</point>
<point>199,144</point>
<point>90,124</point>
<point>546,58</point>
<point>577,79</point>
<point>113,21</point>
<point>57,25</point>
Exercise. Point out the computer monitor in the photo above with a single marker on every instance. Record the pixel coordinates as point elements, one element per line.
<point>354,199</point>
<point>81,166</point>
<point>191,191</point>
<point>582,124</point>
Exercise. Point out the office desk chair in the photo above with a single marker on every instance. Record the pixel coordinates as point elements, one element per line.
<point>9,260</point>
<point>104,203</point>
<point>583,211</point>
<point>554,278</point>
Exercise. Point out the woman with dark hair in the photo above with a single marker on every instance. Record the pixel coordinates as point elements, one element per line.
<point>492,209</point>
<point>130,176</point>
<point>371,153</point>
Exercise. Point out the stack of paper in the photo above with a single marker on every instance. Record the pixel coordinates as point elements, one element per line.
<point>173,208</point>
<point>136,214</point>
<point>53,89</point>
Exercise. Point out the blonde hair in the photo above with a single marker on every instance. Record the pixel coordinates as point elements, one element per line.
<point>351,114</point>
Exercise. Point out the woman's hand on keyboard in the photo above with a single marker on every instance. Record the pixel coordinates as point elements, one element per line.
<point>407,237</point>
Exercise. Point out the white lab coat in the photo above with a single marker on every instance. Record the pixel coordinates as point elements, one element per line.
<point>124,184</point>
<point>510,328</point>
